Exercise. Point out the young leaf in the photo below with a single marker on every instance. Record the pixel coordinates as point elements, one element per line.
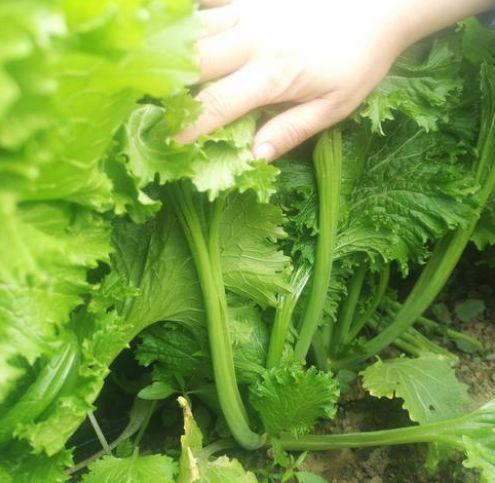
<point>291,399</point>
<point>420,89</point>
<point>134,469</point>
<point>469,309</point>
<point>195,466</point>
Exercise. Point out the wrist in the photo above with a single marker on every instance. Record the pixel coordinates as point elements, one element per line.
<point>407,21</point>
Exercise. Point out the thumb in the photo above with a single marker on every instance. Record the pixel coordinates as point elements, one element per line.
<point>291,128</point>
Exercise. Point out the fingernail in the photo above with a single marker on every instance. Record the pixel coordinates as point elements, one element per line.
<point>264,151</point>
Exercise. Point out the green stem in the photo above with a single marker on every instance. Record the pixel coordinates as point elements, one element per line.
<point>283,316</point>
<point>441,329</point>
<point>427,433</point>
<point>43,392</point>
<point>207,259</point>
<point>328,168</point>
<point>424,344</point>
<point>99,433</point>
<point>360,322</point>
<point>150,410</point>
<point>348,309</point>
<point>320,347</point>
<point>403,343</point>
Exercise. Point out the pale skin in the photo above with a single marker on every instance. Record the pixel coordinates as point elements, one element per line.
<point>318,59</point>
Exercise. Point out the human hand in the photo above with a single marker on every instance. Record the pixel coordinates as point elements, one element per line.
<point>321,56</point>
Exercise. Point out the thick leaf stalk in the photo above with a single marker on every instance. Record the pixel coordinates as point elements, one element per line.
<point>476,426</point>
<point>206,254</point>
<point>43,392</point>
<point>283,316</point>
<point>328,171</point>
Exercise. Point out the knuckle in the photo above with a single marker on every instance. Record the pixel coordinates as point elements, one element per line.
<point>214,104</point>
<point>295,133</point>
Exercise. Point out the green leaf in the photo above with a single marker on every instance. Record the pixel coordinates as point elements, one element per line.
<point>73,79</point>
<point>307,477</point>
<point>252,265</point>
<point>291,399</point>
<point>469,309</point>
<point>135,469</point>
<point>428,386</point>
<point>249,337</point>
<point>216,163</point>
<point>18,464</point>
<point>225,470</point>
<point>45,252</point>
<point>194,464</point>
<point>154,258</point>
<point>157,390</point>
<point>484,234</point>
<point>421,89</point>
<point>390,215</point>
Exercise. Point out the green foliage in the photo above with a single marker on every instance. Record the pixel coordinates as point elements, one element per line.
<point>291,399</point>
<point>134,469</point>
<point>469,309</point>
<point>195,465</point>
<point>111,230</point>
<point>428,386</point>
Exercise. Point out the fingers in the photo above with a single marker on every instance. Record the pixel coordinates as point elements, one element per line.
<point>213,3</point>
<point>218,20</point>
<point>291,128</point>
<point>222,54</point>
<point>227,100</point>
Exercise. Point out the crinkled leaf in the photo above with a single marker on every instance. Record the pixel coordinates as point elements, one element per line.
<point>252,265</point>
<point>216,163</point>
<point>45,252</point>
<point>291,399</point>
<point>418,88</point>
<point>412,189</point>
<point>18,464</point>
<point>176,350</point>
<point>134,469</point>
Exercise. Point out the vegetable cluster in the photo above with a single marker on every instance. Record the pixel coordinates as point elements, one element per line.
<point>247,286</point>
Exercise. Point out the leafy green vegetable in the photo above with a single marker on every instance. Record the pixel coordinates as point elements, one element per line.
<point>290,399</point>
<point>234,275</point>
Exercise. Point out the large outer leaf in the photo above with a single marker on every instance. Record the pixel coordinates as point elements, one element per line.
<point>45,252</point>
<point>76,77</point>
<point>413,189</point>
<point>154,258</point>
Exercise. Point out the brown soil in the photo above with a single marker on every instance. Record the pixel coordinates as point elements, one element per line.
<point>406,464</point>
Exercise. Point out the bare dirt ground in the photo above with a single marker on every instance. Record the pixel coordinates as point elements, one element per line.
<point>359,412</point>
